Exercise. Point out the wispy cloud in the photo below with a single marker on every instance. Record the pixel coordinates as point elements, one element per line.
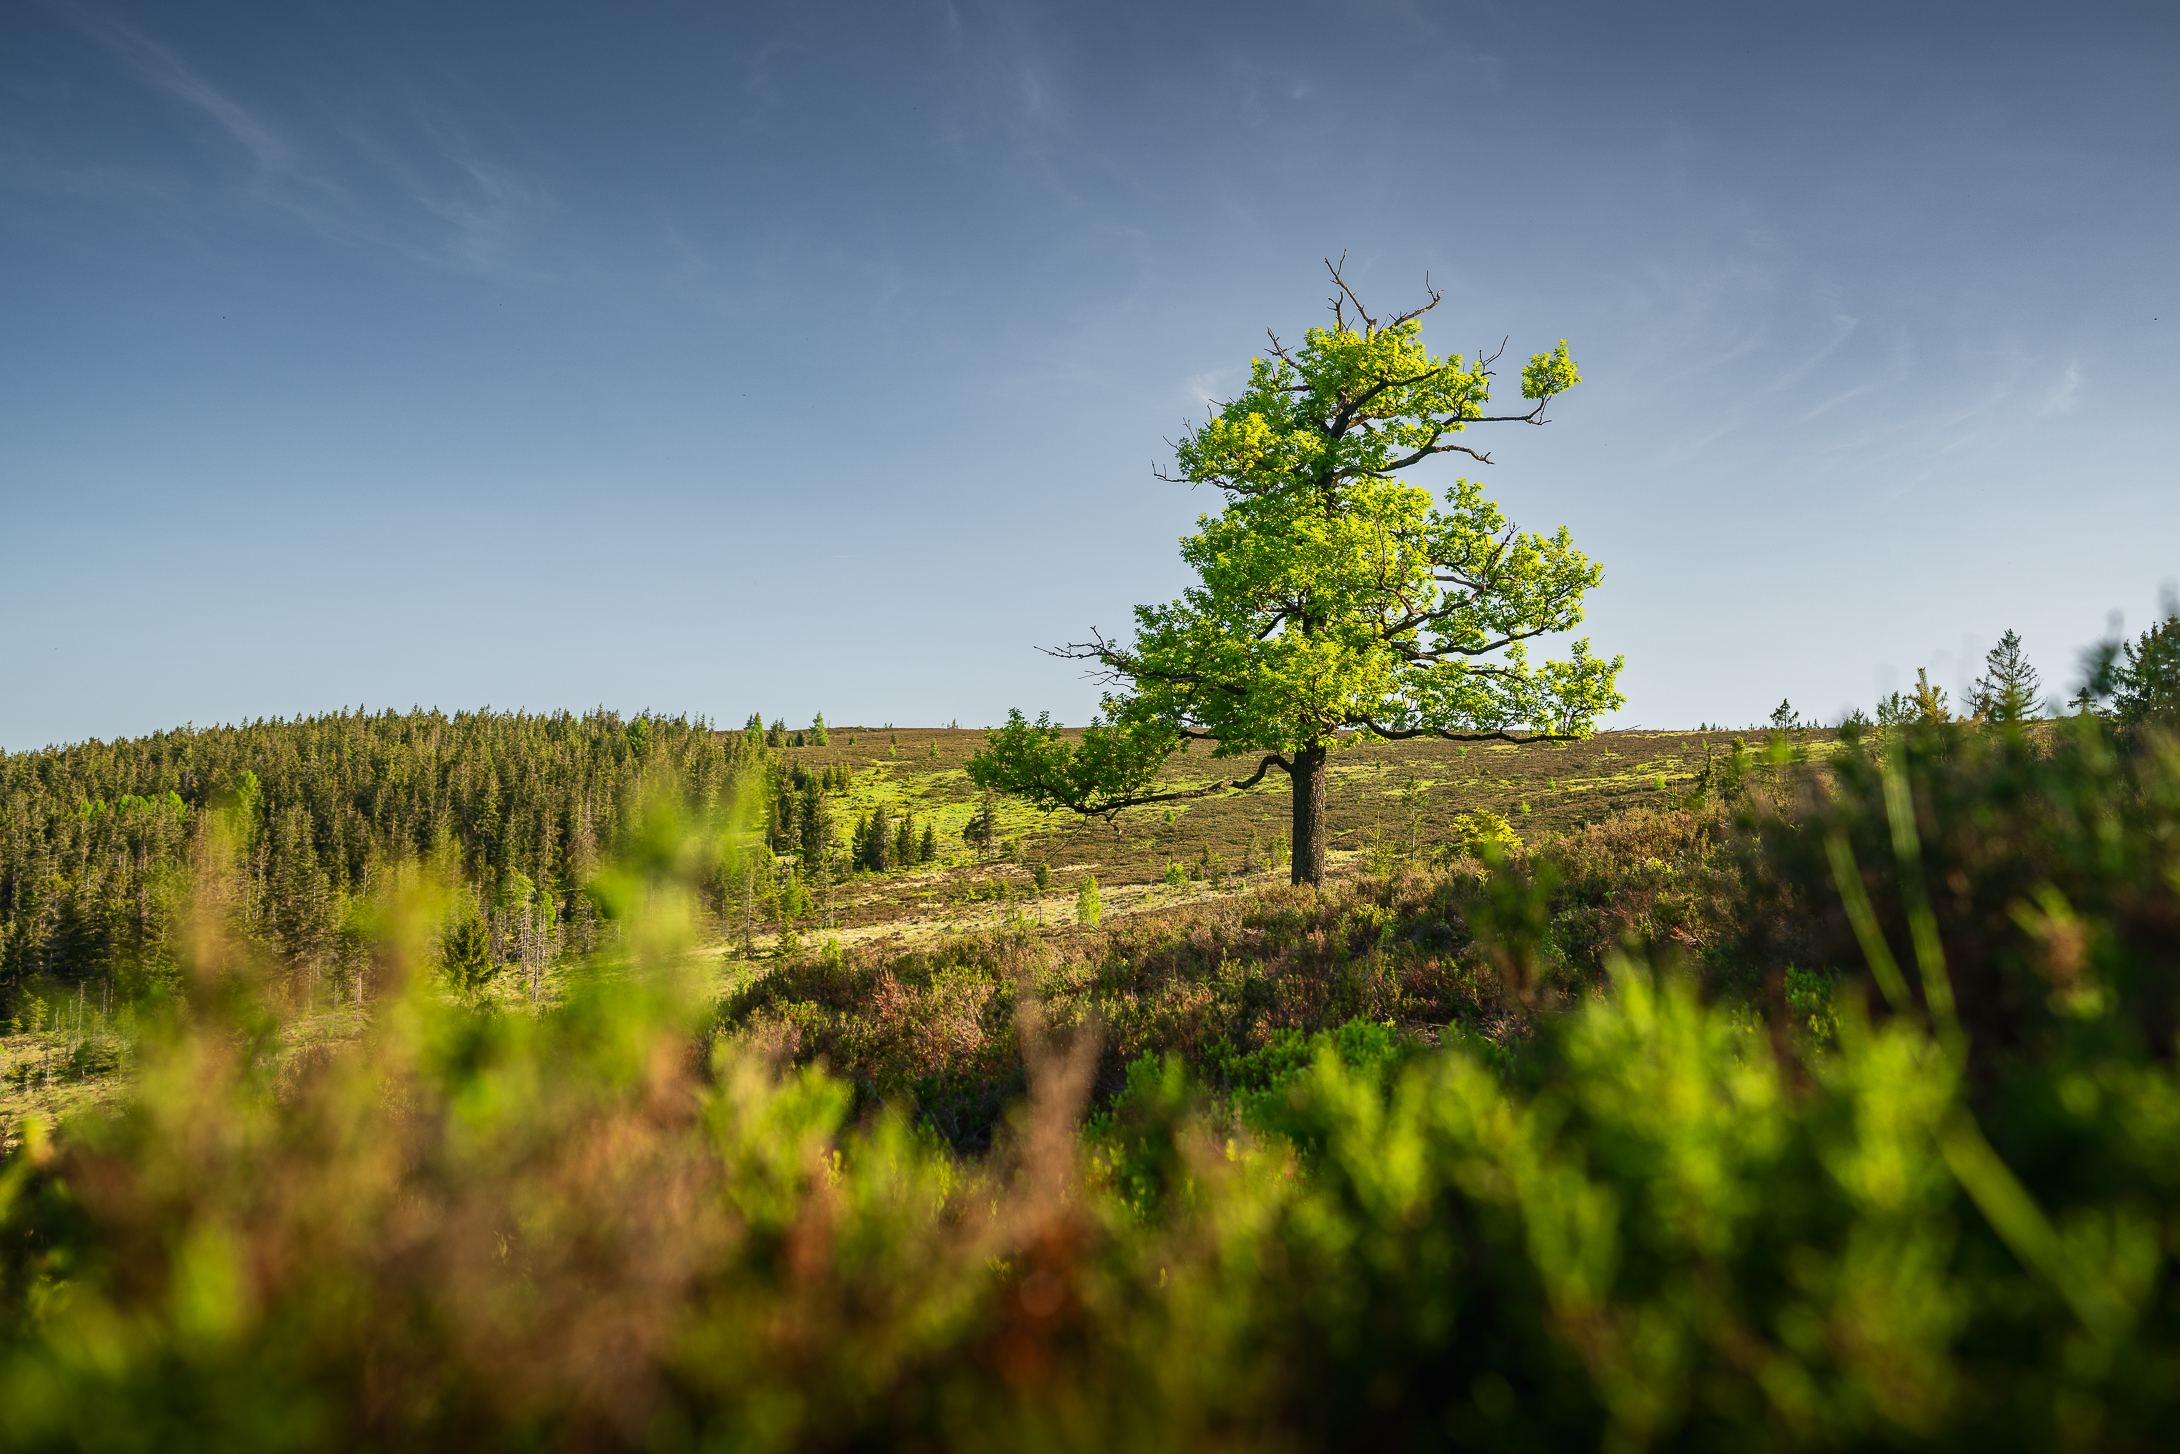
<point>162,69</point>
<point>2062,397</point>
<point>409,180</point>
<point>1213,387</point>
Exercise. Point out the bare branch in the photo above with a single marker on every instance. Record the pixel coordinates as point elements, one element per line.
<point>1346,295</point>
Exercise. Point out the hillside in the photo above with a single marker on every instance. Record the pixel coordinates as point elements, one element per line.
<point>1387,798</point>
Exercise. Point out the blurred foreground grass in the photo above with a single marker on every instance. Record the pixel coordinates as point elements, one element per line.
<point>1866,1133</point>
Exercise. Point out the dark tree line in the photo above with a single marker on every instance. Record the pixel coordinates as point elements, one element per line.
<point>882,843</point>
<point>95,836</point>
<point>799,821</point>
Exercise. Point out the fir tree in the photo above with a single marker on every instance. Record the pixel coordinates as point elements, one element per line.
<point>928,850</point>
<point>2006,692</point>
<point>2146,678</point>
<point>811,823</point>
<point>874,844</point>
<point>983,825</point>
<point>1928,702</point>
<point>816,735</point>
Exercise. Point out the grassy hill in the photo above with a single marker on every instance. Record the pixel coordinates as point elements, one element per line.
<point>1386,800</point>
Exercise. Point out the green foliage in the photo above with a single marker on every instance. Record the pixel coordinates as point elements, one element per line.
<point>982,829</point>
<point>2146,682</point>
<point>1087,907</point>
<point>875,849</point>
<point>1928,702</point>
<point>816,735</point>
<point>465,954</point>
<point>2006,692</point>
<point>1486,835</point>
<point>1269,1087</point>
<point>98,839</point>
<point>2024,881</point>
<point>1033,760</point>
<point>1661,1224</point>
<point>1331,595</point>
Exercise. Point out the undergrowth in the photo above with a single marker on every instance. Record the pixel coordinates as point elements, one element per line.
<point>1852,1121</point>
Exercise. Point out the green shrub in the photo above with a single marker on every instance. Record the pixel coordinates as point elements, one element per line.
<point>1256,1178</point>
<point>1484,834</point>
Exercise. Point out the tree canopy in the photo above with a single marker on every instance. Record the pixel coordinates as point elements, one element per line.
<point>1335,601</point>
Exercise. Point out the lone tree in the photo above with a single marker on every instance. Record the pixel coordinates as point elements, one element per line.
<point>2006,692</point>
<point>1336,603</point>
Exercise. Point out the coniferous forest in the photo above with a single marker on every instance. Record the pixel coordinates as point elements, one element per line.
<point>95,837</point>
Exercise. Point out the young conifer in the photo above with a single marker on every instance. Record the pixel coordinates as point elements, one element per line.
<point>1928,701</point>
<point>2006,692</point>
<point>2146,674</point>
<point>983,826</point>
<point>875,850</point>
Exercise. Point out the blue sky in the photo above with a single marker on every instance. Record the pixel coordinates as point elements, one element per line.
<point>817,357</point>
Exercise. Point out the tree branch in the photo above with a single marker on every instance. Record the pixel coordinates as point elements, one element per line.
<point>1402,734</point>
<point>1107,811</point>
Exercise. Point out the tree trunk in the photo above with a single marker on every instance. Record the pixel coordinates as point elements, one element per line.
<point>1309,816</point>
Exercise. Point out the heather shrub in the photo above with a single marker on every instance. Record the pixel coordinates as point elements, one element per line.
<point>1239,1190</point>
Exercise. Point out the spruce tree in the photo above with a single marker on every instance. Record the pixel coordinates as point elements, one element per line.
<point>928,850</point>
<point>874,850</point>
<point>810,823</point>
<point>2006,692</point>
<point>1928,701</point>
<point>2147,677</point>
<point>816,735</point>
<point>983,825</point>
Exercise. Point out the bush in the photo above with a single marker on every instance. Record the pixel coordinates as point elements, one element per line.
<point>1484,834</point>
<point>1284,1171</point>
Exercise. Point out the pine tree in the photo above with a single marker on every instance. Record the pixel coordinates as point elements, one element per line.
<point>1928,701</point>
<point>874,846</point>
<point>776,736</point>
<point>2006,692</point>
<point>811,823</point>
<point>928,850</point>
<point>2147,676</point>
<point>816,735</point>
<point>904,841</point>
<point>983,825</point>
